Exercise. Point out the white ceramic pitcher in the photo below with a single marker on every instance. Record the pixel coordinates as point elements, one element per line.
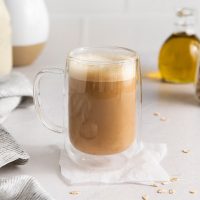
<point>30,26</point>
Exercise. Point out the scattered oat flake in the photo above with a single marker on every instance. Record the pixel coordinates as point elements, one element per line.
<point>164,183</point>
<point>171,191</point>
<point>185,151</point>
<point>156,114</point>
<point>173,179</point>
<point>145,197</point>
<point>192,191</point>
<point>154,185</point>
<point>161,191</point>
<point>74,192</point>
<point>163,119</point>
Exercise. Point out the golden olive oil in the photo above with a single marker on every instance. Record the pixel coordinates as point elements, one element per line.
<point>179,57</point>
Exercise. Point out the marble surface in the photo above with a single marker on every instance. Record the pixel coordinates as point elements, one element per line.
<point>180,131</point>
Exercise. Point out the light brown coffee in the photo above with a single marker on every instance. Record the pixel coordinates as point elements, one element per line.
<point>102,107</point>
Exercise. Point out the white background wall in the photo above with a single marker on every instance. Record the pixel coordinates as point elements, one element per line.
<point>141,25</point>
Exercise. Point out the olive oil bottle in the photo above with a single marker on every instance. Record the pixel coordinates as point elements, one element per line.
<point>179,55</point>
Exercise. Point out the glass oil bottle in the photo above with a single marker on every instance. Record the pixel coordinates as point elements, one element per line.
<point>179,55</point>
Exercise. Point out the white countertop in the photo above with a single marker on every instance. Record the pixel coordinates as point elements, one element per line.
<point>180,131</point>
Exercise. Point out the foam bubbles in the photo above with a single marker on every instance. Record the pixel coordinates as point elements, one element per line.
<point>102,68</point>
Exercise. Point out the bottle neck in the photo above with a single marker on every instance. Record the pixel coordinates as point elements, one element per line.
<point>185,21</point>
<point>188,29</point>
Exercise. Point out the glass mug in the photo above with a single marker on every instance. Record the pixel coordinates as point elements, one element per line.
<point>102,105</point>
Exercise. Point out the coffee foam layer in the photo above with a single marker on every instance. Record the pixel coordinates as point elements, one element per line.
<point>102,68</point>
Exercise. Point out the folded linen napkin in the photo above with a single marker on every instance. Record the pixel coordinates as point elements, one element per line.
<point>10,151</point>
<point>22,188</point>
<point>143,168</point>
<point>14,91</point>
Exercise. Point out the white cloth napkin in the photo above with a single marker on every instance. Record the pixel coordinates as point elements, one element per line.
<point>143,168</point>
<point>22,188</point>
<point>14,91</point>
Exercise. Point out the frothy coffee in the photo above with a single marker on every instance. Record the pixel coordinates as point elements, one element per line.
<point>102,104</point>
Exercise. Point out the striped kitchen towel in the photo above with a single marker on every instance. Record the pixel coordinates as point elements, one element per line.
<point>22,188</point>
<point>10,151</point>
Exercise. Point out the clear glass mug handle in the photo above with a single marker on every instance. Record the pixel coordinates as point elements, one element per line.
<point>37,98</point>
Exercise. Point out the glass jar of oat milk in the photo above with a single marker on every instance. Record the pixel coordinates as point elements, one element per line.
<point>5,42</point>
